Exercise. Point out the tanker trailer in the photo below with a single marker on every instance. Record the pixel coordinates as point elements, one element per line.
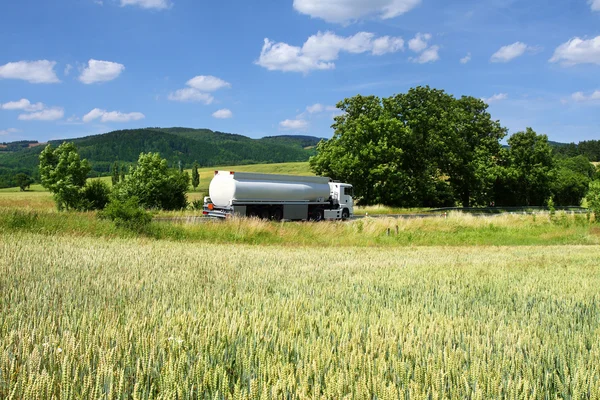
<point>277,197</point>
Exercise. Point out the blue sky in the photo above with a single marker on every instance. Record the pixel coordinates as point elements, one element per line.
<point>71,68</point>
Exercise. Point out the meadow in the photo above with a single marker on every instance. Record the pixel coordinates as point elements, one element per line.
<point>141,318</point>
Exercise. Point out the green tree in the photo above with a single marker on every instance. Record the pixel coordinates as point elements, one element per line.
<point>593,199</point>
<point>573,177</point>
<point>123,172</point>
<point>195,175</point>
<point>154,184</point>
<point>64,174</point>
<point>422,148</point>
<point>115,173</point>
<point>23,181</point>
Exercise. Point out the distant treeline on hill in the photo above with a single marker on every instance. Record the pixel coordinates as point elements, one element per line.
<point>185,145</point>
<point>588,148</point>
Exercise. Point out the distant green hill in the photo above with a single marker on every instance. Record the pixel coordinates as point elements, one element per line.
<point>184,145</point>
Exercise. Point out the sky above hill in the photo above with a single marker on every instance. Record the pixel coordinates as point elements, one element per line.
<point>71,68</point>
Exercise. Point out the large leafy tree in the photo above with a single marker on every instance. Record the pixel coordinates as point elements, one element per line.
<point>154,184</point>
<point>64,174</point>
<point>23,181</point>
<point>527,170</point>
<point>421,148</point>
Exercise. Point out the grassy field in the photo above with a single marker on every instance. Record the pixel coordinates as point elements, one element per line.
<point>137,318</point>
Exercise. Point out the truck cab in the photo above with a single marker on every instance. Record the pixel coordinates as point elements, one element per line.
<point>343,203</point>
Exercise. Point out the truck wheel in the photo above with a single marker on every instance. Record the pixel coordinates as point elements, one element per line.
<point>317,215</point>
<point>277,214</point>
<point>345,214</point>
<point>264,213</point>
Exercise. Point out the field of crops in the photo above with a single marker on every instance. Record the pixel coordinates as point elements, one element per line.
<point>138,318</point>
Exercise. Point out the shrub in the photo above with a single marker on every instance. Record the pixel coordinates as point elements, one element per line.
<point>94,195</point>
<point>127,214</point>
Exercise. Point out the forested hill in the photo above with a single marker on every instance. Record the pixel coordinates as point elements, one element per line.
<point>187,145</point>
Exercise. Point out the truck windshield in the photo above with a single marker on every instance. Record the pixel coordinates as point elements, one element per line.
<point>348,191</point>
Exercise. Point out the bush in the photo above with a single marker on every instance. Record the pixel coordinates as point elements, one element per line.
<point>94,195</point>
<point>127,214</point>
<point>154,184</point>
<point>593,199</point>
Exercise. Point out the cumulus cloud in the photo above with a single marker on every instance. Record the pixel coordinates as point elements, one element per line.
<point>429,55</point>
<point>23,105</point>
<point>197,89</point>
<point>344,11</point>
<point>466,59</point>
<point>595,4</point>
<point>112,116</point>
<point>578,51</point>
<point>495,98</point>
<point>148,4</point>
<point>510,52</point>
<point>320,50</point>
<point>223,114</point>
<point>191,95</point>
<point>419,42</point>
<point>41,71</point>
<point>48,114</point>
<point>581,97</point>
<point>101,71</point>
<point>293,125</point>
<point>8,131</point>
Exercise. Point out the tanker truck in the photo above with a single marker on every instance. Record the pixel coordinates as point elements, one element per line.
<point>278,197</point>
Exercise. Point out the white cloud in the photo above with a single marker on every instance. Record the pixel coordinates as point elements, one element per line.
<point>198,86</point>
<point>419,42</point>
<point>68,69</point>
<point>319,108</point>
<point>41,71</point>
<point>495,98</point>
<point>112,116</point>
<point>580,97</point>
<point>8,131</point>
<point>578,51</point>
<point>207,83</point>
<point>223,114</point>
<point>23,104</point>
<point>429,55</point>
<point>148,4</point>
<point>510,52</point>
<point>320,50</point>
<point>466,59</point>
<point>294,125</point>
<point>344,11</point>
<point>48,114</point>
<point>101,71</point>
<point>595,5</point>
<point>189,95</point>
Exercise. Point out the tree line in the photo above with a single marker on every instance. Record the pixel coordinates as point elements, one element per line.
<point>426,148</point>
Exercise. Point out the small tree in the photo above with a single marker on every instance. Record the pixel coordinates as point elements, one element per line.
<point>123,172</point>
<point>64,174</point>
<point>24,181</point>
<point>115,173</point>
<point>154,184</point>
<point>593,199</point>
<point>195,176</point>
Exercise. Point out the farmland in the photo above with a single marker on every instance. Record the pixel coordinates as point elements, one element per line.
<point>137,318</point>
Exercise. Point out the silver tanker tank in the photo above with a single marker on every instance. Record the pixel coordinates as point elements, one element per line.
<point>228,187</point>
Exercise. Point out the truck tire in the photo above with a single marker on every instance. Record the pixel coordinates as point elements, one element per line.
<point>316,215</point>
<point>276,214</point>
<point>345,214</point>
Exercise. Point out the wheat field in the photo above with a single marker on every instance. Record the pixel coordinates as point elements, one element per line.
<point>89,318</point>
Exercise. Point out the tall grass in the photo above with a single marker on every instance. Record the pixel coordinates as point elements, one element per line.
<point>84,318</point>
<point>455,230</point>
